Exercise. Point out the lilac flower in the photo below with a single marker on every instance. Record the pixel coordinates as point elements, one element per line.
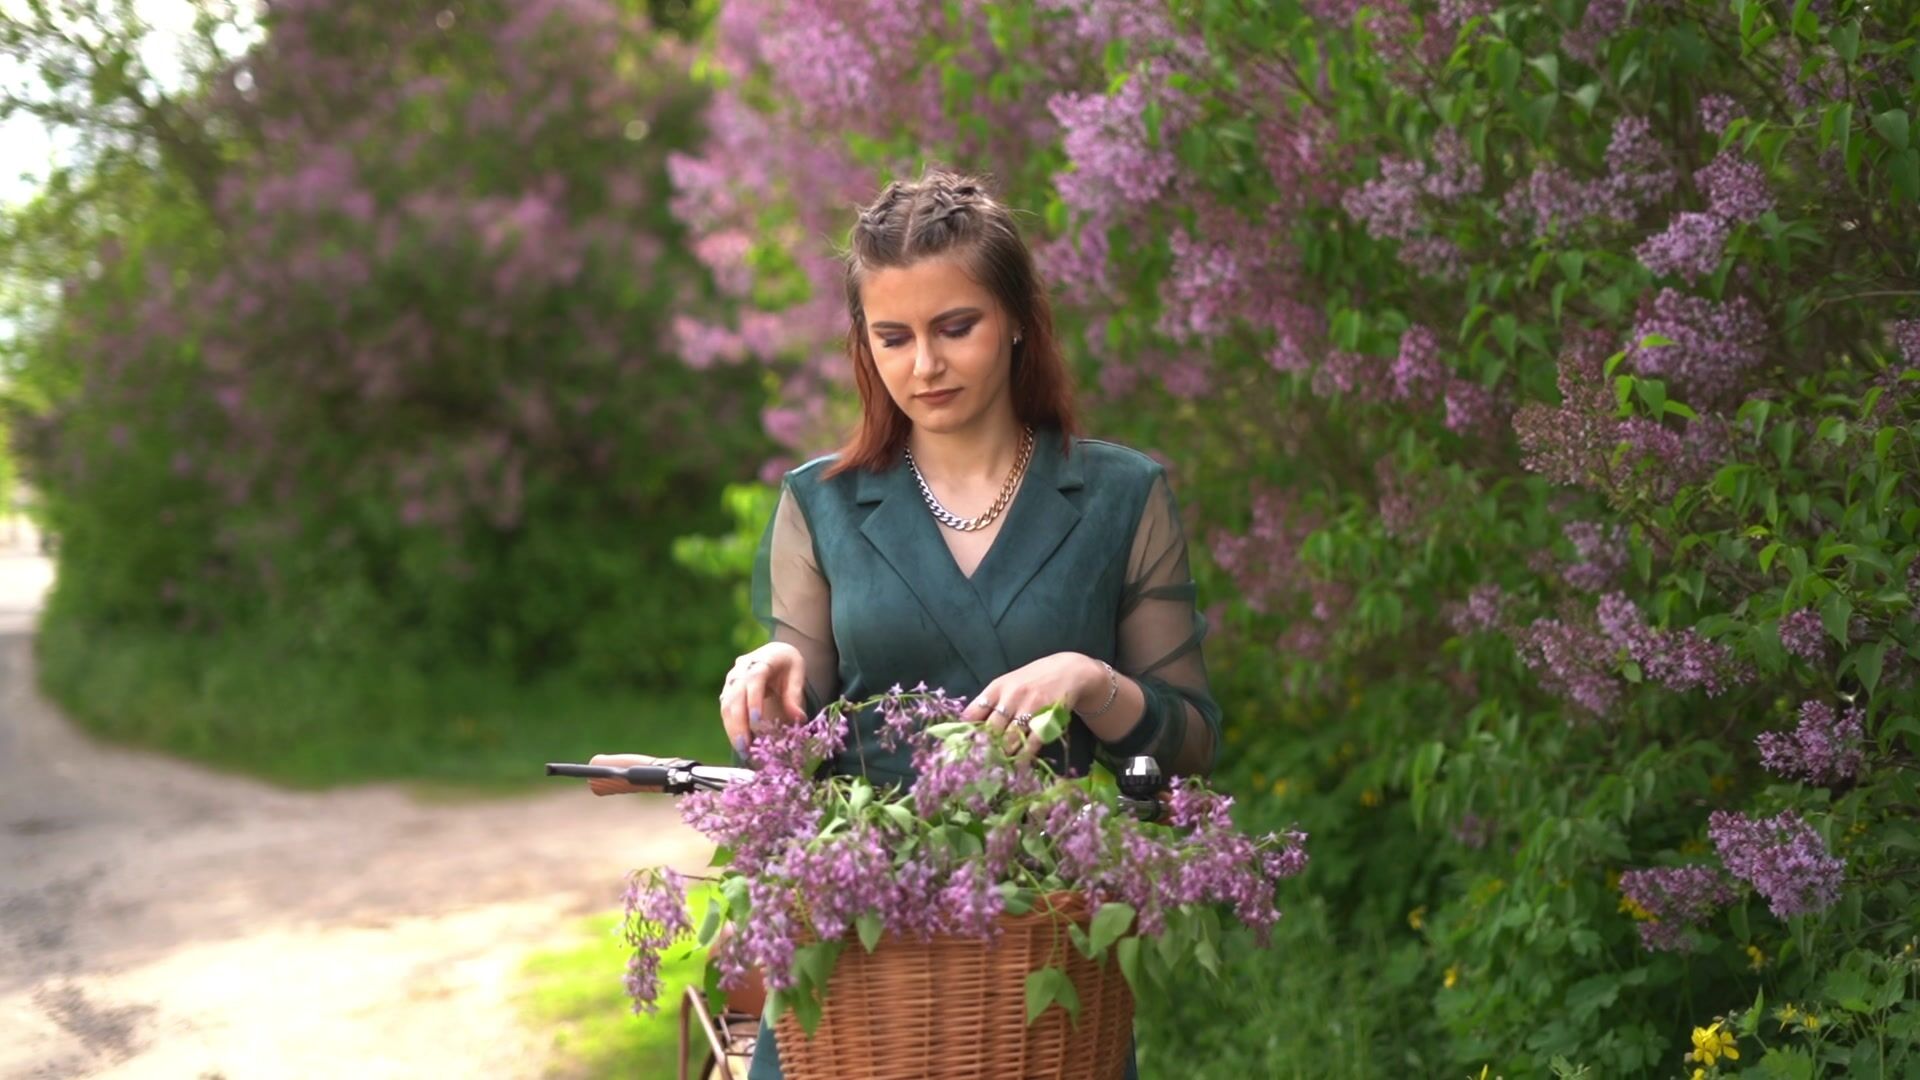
<point>1716,111</point>
<point>1472,409</point>
<point>1823,749</point>
<point>1690,248</point>
<point>1736,189</point>
<point>1482,611</point>
<point>1106,140</point>
<point>1676,899</point>
<point>656,917</point>
<point>1781,857</point>
<point>1568,661</point>
<point>1417,370</point>
<point>1715,344</point>
<point>1639,171</point>
<point>1455,173</point>
<point>1906,340</point>
<point>1602,553</point>
<point>1803,635</point>
<point>1681,660</point>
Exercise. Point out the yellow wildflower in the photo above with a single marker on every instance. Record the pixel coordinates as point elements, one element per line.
<point>1369,797</point>
<point>1699,1074</point>
<point>1632,907</point>
<point>1755,958</point>
<point>1417,918</point>
<point>1787,1014</point>
<point>1710,1044</point>
<point>1280,787</point>
<point>1812,1022</point>
<point>1452,977</point>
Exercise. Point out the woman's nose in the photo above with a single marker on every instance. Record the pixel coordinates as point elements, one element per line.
<point>926,363</point>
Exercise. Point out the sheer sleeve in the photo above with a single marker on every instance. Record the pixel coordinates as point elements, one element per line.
<point>792,600</point>
<point>1161,628</point>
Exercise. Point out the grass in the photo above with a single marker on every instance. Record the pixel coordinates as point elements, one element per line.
<point>244,706</point>
<point>575,990</point>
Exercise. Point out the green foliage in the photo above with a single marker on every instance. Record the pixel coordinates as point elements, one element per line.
<point>274,708</point>
<point>1491,659</point>
<point>378,368</point>
<point>575,990</point>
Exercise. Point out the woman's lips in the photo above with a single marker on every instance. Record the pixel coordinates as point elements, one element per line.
<point>942,397</point>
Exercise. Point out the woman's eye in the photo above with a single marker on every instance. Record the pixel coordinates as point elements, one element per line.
<point>959,331</point>
<point>892,343</point>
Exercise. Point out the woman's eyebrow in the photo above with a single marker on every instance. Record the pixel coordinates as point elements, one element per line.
<point>940,318</point>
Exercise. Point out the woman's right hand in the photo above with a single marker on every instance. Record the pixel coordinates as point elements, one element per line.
<point>766,686</point>
<point>601,785</point>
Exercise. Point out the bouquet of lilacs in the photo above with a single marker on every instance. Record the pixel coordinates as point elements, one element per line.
<point>804,861</point>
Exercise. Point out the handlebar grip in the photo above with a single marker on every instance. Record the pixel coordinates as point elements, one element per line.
<point>648,776</point>
<point>645,775</point>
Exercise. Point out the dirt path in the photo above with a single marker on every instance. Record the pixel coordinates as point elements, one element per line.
<point>161,920</point>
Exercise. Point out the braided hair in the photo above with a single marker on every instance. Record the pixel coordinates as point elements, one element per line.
<point>951,215</point>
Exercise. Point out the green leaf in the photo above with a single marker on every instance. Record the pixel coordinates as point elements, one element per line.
<point>1048,986</point>
<point>1766,555</point>
<point>1109,923</point>
<point>1587,97</point>
<point>1127,951</point>
<point>1080,940</point>
<point>710,925</point>
<point>1867,663</point>
<point>870,927</point>
<point>1892,126</point>
<point>1548,65</point>
<point>859,797</point>
<point>1834,615</point>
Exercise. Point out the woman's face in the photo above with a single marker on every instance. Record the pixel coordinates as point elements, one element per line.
<point>933,328</point>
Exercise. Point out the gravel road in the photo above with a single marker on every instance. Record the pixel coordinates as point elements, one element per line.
<point>158,919</point>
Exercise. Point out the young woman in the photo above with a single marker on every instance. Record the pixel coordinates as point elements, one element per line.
<point>967,536</point>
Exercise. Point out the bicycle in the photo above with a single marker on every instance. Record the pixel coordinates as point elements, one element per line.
<point>731,1034</point>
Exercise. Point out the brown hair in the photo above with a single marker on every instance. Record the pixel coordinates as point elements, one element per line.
<point>944,213</point>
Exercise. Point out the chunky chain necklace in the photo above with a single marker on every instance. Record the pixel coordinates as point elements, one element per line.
<point>954,521</point>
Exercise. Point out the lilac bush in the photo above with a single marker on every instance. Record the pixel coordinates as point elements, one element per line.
<point>811,862</point>
<point>1539,380</point>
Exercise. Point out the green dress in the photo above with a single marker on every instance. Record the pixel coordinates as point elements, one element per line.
<point>1090,558</point>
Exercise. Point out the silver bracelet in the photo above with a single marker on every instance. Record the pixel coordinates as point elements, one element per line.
<point>1113,692</point>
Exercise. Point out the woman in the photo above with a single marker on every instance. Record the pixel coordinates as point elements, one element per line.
<point>966,536</point>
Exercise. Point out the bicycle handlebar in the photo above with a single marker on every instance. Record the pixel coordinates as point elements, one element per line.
<point>1140,782</point>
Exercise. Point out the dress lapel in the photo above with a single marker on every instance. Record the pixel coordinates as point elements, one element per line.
<point>1037,524</point>
<point>907,537</point>
<point>969,610</point>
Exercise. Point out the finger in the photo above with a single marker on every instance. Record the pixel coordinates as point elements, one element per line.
<point>608,786</point>
<point>756,685</point>
<point>980,709</point>
<point>733,717</point>
<point>796,699</point>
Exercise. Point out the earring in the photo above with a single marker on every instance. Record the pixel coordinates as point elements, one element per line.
<point>1016,339</point>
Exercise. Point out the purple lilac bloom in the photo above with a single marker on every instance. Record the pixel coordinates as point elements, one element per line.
<point>656,917</point>
<point>1906,340</point>
<point>1681,660</point>
<point>1803,635</point>
<point>1567,659</point>
<point>1781,857</point>
<point>1417,370</point>
<point>1716,111</point>
<point>1602,551</point>
<point>1689,249</point>
<point>1639,172</point>
<point>1678,898</point>
<point>1482,611</point>
<point>1736,189</point>
<point>1823,749</point>
<point>1715,343</point>
<point>1473,410</point>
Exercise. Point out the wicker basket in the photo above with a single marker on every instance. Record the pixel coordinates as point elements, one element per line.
<point>956,1009</point>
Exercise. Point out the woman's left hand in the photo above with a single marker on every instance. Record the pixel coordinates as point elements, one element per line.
<point>1062,677</point>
